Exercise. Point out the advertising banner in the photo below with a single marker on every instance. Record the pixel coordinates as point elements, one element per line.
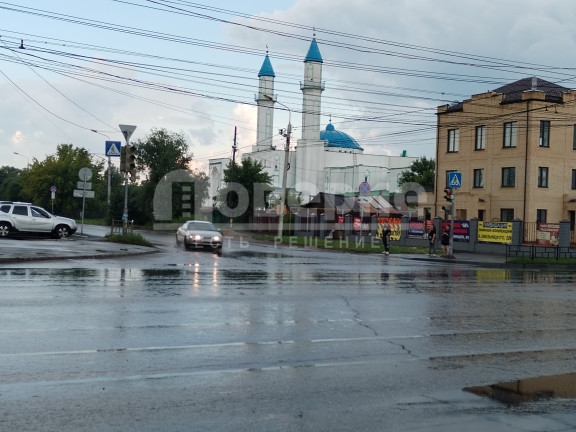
<point>395,226</point>
<point>495,232</point>
<point>461,229</point>
<point>547,234</point>
<point>416,229</point>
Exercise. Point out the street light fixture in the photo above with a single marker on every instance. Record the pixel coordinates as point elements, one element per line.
<point>27,159</point>
<point>285,172</point>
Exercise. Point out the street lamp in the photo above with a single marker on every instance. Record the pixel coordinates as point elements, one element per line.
<point>285,173</point>
<point>27,159</point>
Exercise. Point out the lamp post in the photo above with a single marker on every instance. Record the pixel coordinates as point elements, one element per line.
<point>285,134</point>
<point>27,159</point>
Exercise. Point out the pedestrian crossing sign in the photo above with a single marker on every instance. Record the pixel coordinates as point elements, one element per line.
<point>454,180</point>
<point>113,148</point>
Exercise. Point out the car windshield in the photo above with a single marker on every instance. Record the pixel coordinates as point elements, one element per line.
<point>204,226</point>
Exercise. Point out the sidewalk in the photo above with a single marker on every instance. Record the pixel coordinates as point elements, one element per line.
<point>42,249</point>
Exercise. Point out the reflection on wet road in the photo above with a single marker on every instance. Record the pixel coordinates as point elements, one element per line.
<point>275,339</point>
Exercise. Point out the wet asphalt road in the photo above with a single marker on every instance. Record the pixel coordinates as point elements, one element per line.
<point>278,339</point>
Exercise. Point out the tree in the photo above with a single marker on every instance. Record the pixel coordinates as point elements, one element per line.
<point>160,153</point>
<point>9,183</point>
<point>422,172</point>
<point>252,178</point>
<point>61,170</point>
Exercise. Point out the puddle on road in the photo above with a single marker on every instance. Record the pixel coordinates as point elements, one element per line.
<point>529,389</point>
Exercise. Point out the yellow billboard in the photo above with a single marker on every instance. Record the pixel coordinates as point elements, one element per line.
<point>495,232</point>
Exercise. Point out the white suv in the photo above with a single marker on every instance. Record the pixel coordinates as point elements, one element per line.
<point>25,218</point>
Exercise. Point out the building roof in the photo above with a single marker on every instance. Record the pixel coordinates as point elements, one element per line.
<point>266,69</point>
<point>313,53</point>
<point>513,92</point>
<point>338,139</point>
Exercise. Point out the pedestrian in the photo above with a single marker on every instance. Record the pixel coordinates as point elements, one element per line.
<point>445,242</point>
<point>386,232</point>
<point>432,241</point>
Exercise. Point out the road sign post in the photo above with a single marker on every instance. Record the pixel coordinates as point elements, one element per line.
<point>454,182</point>
<point>127,131</point>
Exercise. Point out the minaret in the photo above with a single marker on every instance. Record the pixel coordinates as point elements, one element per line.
<point>310,150</point>
<point>265,101</point>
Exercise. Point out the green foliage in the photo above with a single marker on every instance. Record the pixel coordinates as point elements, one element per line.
<point>9,184</point>
<point>162,152</point>
<point>248,174</point>
<point>130,238</point>
<point>422,171</point>
<point>61,170</point>
<point>158,154</point>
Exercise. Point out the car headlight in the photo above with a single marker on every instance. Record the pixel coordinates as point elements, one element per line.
<point>196,237</point>
<point>216,238</point>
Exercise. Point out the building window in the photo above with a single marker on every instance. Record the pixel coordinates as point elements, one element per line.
<point>506,215</point>
<point>453,140</point>
<point>543,177</point>
<point>544,133</point>
<point>541,215</point>
<point>479,178</point>
<point>573,179</point>
<point>508,177</point>
<point>510,134</point>
<point>480,142</point>
<point>481,213</point>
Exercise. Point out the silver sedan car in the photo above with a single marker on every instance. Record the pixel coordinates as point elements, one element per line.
<point>197,234</point>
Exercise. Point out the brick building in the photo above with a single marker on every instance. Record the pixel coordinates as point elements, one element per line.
<point>516,149</point>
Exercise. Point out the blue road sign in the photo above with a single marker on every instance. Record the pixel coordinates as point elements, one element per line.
<point>454,180</point>
<point>113,148</point>
<point>364,188</point>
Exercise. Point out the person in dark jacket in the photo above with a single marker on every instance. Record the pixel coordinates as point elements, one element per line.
<point>445,243</point>
<point>386,232</point>
<point>432,241</point>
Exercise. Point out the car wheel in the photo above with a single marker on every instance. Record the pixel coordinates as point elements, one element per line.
<point>186,246</point>
<point>61,231</point>
<point>4,229</point>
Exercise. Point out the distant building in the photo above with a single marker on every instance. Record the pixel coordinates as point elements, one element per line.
<point>516,149</point>
<point>321,160</point>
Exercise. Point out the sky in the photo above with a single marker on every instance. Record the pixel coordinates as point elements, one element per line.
<point>71,71</point>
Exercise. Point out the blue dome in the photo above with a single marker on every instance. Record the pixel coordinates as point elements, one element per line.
<point>313,53</point>
<point>266,69</point>
<point>339,139</point>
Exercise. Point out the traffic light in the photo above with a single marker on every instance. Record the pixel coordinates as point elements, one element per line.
<point>447,208</point>
<point>131,162</point>
<point>449,194</point>
<point>123,159</point>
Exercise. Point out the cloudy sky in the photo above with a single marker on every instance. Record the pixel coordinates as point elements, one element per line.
<point>69,68</point>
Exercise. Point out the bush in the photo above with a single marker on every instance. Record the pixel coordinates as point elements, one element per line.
<point>131,238</point>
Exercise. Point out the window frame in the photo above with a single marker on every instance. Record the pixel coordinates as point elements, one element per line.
<point>480,138</point>
<point>573,179</point>
<point>510,135</point>
<point>453,140</point>
<point>543,177</point>
<point>508,173</point>
<point>478,176</point>
<point>544,133</point>
<point>541,215</point>
<point>507,212</point>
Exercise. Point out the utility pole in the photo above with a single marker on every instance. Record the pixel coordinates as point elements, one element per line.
<point>284,175</point>
<point>234,147</point>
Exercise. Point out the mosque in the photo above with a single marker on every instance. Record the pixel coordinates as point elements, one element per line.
<point>326,160</point>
